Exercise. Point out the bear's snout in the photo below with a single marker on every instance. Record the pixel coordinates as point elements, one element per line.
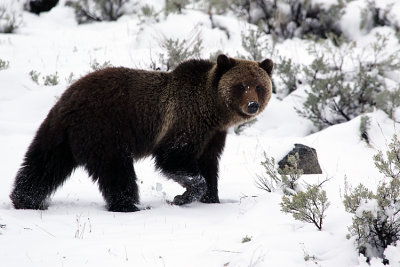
<point>252,107</point>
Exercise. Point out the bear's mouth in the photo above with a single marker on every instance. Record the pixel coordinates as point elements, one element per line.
<point>245,115</point>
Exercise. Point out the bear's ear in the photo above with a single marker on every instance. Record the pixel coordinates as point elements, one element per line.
<point>224,63</point>
<point>267,65</point>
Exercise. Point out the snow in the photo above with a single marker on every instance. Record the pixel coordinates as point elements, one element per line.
<point>76,230</point>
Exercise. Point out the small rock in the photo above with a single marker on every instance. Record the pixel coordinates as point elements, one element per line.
<point>308,159</point>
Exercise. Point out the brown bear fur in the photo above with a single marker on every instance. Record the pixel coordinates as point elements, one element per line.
<point>112,117</point>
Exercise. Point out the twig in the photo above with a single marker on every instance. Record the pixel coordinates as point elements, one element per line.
<point>227,251</point>
<point>44,230</point>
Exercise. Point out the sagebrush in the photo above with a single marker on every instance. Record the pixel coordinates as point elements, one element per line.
<point>98,10</point>
<point>285,179</point>
<point>338,93</point>
<point>291,18</point>
<point>4,64</point>
<point>376,215</point>
<point>175,51</point>
<point>307,206</point>
<point>10,16</point>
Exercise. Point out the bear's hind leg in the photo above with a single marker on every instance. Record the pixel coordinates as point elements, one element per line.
<point>117,183</point>
<point>45,167</point>
<point>195,188</point>
<point>182,168</point>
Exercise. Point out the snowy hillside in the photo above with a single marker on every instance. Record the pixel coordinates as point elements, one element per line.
<point>248,227</point>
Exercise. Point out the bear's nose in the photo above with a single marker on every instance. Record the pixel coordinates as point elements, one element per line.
<point>253,107</point>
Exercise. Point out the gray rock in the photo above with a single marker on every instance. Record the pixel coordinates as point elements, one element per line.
<point>308,159</point>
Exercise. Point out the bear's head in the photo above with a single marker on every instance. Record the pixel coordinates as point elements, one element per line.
<point>244,86</point>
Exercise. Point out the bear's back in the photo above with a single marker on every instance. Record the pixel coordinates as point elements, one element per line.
<point>119,103</point>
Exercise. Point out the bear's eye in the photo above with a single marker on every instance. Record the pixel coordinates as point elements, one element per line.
<point>258,88</point>
<point>241,87</point>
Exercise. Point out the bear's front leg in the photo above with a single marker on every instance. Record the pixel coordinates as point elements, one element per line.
<point>183,168</point>
<point>209,163</point>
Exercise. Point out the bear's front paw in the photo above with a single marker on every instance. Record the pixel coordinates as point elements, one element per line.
<point>118,207</point>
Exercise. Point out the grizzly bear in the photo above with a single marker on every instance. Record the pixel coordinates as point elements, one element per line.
<point>112,117</point>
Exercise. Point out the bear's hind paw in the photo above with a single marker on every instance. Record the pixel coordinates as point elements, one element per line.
<point>183,199</point>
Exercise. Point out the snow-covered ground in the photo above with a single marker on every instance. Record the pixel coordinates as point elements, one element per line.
<point>76,230</point>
